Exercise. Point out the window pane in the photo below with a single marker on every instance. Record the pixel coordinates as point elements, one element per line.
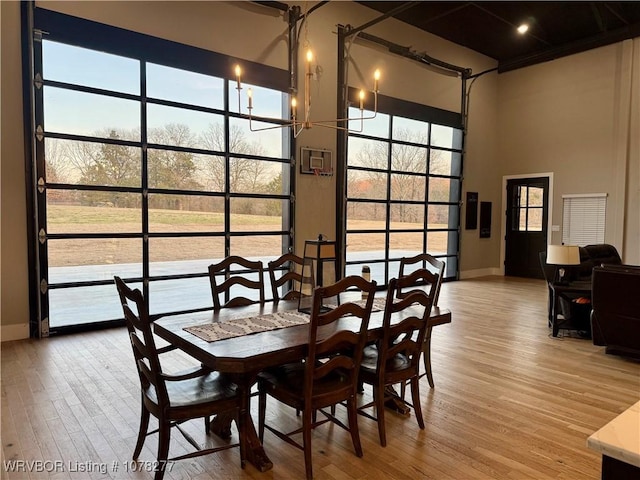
<point>535,220</point>
<point>405,158</point>
<point>405,244</point>
<point>535,196</point>
<point>94,212</point>
<point>90,259</point>
<point>257,247</point>
<point>437,243</point>
<point>185,170</point>
<point>447,137</point>
<point>69,306</point>
<point>370,215</point>
<point>522,226</point>
<point>68,111</point>
<point>81,66</point>
<point>368,153</point>
<point>178,256</point>
<point>257,214</point>
<point>407,216</point>
<point>440,190</point>
<point>266,143</point>
<point>183,86</point>
<point>407,187</point>
<point>365,242</point>
<point>185,213</point>
<point>89,163</point>
<point>369,185</point>
<point>184,128</point>
<point>440,163</point>
<point>438,216</point>
<point>177,295</point>
<point>266,102</point>
<point>408,130</point>
<point>255,176</point>
<point>374,127</point>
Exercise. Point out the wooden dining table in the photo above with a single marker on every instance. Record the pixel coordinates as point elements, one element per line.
<point>243,357</point>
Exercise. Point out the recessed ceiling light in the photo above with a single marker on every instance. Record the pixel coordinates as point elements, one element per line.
<point>522,29</point>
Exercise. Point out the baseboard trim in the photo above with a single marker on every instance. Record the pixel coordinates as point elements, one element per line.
<point>480,272</point>
<point>19,331</point>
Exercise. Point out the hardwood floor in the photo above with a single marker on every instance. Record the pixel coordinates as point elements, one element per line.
<point>510,402</point>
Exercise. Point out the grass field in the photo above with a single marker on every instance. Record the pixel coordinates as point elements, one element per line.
<point>75,219</point>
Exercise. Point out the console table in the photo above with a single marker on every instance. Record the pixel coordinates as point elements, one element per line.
<point>619,443</point>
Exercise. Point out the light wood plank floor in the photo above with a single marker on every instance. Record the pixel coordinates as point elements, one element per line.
<point>510,402</point>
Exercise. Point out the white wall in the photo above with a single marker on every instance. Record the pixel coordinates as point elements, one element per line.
<point>577,117</point>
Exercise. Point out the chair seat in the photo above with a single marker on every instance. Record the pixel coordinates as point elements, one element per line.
<point>197,391</point>
<point>286,382</point>
<point>397,363</point>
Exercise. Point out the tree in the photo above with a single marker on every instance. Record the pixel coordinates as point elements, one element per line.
<point>407,183</point>
<point>245,175</point>
<point>169,168</point>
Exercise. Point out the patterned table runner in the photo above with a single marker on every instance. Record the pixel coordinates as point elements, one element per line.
<point>212,332</point>
<point>245,326</point>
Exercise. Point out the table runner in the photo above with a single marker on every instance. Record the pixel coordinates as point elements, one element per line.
<point>212,332</point>
<point>245,326</point>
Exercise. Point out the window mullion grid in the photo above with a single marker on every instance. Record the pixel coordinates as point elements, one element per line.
<point>40,203</point>
<point>426,190</point>
<point>144,167</point>
<point>388,201</point>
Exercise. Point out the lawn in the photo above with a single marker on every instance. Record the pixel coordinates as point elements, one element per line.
<point>76,219</point>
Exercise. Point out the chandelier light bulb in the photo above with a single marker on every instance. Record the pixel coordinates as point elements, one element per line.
<point>238,72</point>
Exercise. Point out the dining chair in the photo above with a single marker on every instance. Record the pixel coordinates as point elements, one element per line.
<point>291,277</point>
<point>329,371</point>
<point>173,398</point>
<point>422,260</point>
<point>222,289</point>
<point>436,266</point>
<point>395,358</point>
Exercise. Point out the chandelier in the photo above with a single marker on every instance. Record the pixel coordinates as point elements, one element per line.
<point>299,123</point>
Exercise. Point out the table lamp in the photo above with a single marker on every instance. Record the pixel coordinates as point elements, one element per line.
<point>562,256</point>
<point>319,269</point>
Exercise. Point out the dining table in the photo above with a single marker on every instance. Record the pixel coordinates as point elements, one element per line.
<point>244,356</point>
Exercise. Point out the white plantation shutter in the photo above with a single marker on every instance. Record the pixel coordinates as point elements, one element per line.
<point>583,219</point>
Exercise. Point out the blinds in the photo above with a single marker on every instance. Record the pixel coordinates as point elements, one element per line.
<point>583,219</point>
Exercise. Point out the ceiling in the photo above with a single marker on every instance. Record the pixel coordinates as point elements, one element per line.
<point>556,29</point>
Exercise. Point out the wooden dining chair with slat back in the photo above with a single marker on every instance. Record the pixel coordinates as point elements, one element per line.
<point>436,266</point>
<point>395,358</point>
<point>329,372</point>
<point>224,280</point>
<point>173,398</point>
<point>292,277</point>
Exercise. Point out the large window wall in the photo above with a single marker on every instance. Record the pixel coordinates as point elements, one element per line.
<point>146,170</point>
<point>403,181</point>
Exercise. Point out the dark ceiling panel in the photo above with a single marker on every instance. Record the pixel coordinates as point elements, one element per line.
<point>556,28</point>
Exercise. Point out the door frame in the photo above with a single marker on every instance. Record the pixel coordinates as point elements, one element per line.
<point>503,223</point>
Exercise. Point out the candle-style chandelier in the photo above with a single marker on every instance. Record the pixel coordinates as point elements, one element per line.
<point>298,123</point>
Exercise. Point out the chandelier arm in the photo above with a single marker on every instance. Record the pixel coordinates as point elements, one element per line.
<point>344,129</point>
<point>260,129</point>
<point>348,119</point>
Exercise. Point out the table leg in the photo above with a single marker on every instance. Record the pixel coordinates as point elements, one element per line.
<point>396,403</point>
<point>221,426</point>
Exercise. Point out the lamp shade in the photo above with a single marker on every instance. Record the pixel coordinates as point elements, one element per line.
<point>563,255</point>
